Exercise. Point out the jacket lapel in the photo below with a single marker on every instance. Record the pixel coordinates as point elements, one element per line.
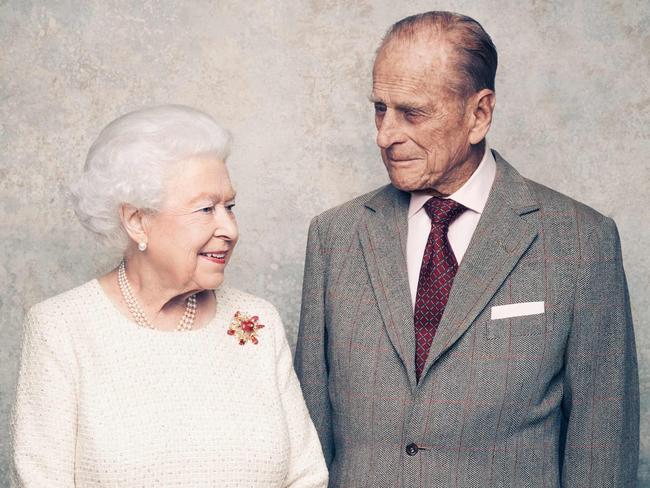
<point>500,239</point>
<point>383,234</point>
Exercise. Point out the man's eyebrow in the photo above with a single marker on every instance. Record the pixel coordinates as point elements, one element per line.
<point>411,108</point>
<point>402,107</point>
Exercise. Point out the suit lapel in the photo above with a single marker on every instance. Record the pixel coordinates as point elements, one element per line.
<point>500,239</point>
<point>383,234</point>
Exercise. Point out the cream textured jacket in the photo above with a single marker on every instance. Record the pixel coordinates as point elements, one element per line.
<point>104,402</point>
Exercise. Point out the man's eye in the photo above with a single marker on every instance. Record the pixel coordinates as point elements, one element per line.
<point>230,207</point>
<point>412,114</point>
<point>209,209</point>
<point>380,108</point>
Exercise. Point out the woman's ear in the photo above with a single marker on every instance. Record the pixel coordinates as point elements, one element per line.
<point>483,107</point>
<point>133,221</point>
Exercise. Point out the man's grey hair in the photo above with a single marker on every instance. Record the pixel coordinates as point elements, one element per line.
<point>129,160</point>
<point>477,55</point>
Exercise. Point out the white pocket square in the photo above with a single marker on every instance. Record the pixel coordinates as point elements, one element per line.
<point>517,310</point>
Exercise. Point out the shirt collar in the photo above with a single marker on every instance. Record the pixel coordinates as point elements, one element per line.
<point>474,192</point>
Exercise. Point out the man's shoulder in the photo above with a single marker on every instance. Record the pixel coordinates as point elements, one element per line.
<point>353,209</point>
<point>356,204</point>
<point>553,203</point>
<point>341,222</point>
<point>573,223</point>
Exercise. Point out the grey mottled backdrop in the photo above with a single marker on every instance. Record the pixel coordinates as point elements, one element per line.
<point>291,79</point>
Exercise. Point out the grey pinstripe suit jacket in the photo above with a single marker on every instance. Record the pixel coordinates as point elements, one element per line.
<point>544,400</point>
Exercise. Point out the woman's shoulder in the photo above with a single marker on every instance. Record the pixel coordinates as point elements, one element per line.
<point>233,300</point>
<point>79,301</point>
<point>53,323</point>
<point>232,297</point>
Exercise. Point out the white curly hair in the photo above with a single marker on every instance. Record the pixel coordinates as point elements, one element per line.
<point>127,163</point>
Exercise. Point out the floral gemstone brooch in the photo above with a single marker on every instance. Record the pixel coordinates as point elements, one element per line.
<point>245,328</point>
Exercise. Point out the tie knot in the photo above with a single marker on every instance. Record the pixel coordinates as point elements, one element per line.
<point>443,211</point>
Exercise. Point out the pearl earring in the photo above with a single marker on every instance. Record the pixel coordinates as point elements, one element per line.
<point>142,246</point>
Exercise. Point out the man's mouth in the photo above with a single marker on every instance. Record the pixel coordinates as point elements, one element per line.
<point>400,160</point>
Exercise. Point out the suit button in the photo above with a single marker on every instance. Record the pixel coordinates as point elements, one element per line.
<point>412,449</point>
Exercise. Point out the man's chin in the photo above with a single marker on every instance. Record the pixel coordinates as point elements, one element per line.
<point>404,184</point>
<point>412,183</point>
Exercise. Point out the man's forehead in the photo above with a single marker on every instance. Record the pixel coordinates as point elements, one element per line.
<point>418,59</point>
<point>401,75</point>
<point>396,88</point>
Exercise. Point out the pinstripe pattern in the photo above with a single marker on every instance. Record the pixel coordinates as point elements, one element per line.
<point>545,400</point>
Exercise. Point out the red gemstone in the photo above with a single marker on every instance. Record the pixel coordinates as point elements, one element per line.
<point>242,342</point>
<point>254,339</point>
<point>231,332</point>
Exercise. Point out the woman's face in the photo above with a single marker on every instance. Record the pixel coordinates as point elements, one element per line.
<point>191,239</point>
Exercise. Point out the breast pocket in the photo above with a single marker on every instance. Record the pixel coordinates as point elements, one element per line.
<point>517,320</point>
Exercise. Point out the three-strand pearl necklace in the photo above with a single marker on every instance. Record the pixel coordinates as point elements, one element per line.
<point>186,322</point>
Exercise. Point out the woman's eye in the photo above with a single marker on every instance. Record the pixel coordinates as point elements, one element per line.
<point>209,209</point>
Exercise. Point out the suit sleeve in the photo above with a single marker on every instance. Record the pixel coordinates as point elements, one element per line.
<point>311,349</point>
<point>44,420</point>
<point>601,402</point>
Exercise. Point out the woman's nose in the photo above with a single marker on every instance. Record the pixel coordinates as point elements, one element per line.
<point>226,224</point>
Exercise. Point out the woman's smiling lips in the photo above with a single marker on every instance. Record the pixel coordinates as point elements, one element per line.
<point>218,257</point>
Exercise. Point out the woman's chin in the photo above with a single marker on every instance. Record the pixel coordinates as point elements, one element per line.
<point>211,282</point>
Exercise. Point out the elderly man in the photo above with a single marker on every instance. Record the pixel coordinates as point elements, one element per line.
<point>464,326</point>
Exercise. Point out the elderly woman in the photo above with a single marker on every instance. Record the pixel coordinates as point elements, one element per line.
<point>155,374</point>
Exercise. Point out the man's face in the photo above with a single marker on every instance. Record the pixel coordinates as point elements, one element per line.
<point>422,126</point>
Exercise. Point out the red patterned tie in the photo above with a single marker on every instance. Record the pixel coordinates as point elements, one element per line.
<point>437,273</point>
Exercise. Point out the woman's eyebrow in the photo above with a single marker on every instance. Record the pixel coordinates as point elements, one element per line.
<point>213,197</point>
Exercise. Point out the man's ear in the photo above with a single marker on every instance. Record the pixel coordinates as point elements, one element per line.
<point>133,221</point>
<point>482,105</point>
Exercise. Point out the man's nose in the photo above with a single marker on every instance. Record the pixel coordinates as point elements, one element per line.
<point>389,130</point>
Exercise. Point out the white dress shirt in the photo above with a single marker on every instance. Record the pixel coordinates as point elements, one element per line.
<point>473,195</point>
